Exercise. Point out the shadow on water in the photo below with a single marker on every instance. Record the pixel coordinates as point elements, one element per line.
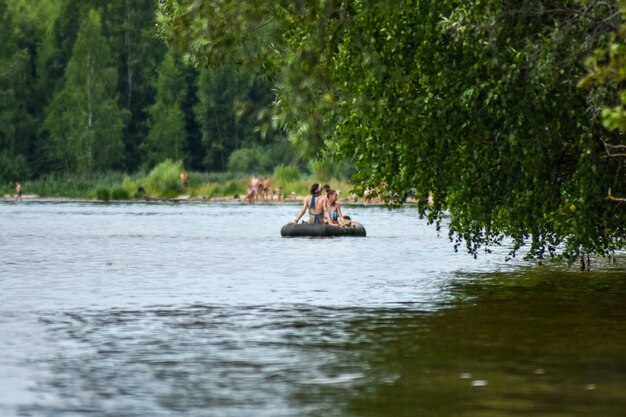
<point>533,343</point>
<point>528,343</point>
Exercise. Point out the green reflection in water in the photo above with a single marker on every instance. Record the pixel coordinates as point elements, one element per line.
<point>534,343</point>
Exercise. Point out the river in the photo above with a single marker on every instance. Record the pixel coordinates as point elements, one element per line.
<point>203,309</point>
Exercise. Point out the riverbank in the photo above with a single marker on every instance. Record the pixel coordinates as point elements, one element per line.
<point>164,182</point>
<point>351,199</point>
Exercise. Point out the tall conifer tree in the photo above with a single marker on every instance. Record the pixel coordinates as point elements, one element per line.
<point>84,119</point>
<point>167,135</point>
<point>16,124</point>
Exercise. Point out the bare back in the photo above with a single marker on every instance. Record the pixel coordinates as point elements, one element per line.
<point>316,210</point>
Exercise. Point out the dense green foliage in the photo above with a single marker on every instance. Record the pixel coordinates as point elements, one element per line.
<point>84,120</point>
<point>164,179</point>
<point>607,66</point>
<point>166,138</point>
<point>475,104</point>
<point>87,87</point>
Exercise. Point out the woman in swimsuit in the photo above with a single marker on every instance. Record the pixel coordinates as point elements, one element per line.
<point>335,217</point>
<point>325,189</point>
<point>314,204</point>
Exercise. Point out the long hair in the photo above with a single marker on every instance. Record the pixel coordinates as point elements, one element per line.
<point>329,194</point>
<point>316,188</point>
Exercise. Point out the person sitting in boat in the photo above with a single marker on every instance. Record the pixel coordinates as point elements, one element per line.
<point>314,204</point>
<point>325,189</point>
<point>335,217</point>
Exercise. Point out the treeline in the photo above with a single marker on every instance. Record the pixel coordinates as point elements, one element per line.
<point>86,86</point>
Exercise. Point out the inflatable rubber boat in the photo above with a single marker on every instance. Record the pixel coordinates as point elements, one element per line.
<point>321,230</point>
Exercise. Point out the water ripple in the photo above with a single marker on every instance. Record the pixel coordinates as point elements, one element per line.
<point>203,309</point>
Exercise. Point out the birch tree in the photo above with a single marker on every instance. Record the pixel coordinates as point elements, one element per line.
<point>84,121</point>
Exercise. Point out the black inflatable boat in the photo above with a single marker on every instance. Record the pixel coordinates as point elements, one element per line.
<point>321,230</point>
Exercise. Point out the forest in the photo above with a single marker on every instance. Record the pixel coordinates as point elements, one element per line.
<point>508,115</point>
<point>88,87</point>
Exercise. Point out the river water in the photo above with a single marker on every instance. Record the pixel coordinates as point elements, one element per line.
<point>202,309</point>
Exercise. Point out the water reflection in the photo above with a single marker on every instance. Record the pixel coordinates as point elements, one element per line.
<point>540,344</point>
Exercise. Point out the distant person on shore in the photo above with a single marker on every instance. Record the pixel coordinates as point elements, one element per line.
<point>335,216</point>
<point>250,195</point>
<point>315,204</point>
<point>254,183</point>
<point>266,188</point>
<point>18,191</point>
<point>260,190</point>
<point>184,177</point>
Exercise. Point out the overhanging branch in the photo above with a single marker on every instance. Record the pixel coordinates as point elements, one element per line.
<point>614,151</point>
<point>613,198</point>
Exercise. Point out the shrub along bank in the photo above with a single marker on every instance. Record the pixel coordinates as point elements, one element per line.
<point>164,182</point>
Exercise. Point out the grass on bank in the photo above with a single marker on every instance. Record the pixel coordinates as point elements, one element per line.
<point>163,182</point>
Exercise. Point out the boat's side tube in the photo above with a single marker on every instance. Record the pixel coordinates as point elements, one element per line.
<point>321,230</point>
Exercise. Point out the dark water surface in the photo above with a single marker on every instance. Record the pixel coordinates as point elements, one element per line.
<point>204,310</point>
